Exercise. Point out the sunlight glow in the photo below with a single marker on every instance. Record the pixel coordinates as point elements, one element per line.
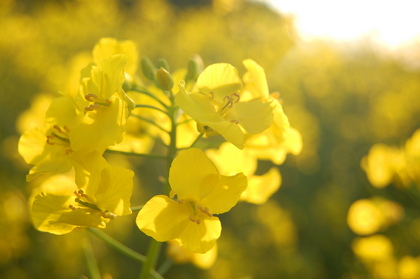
<point>391,23</point>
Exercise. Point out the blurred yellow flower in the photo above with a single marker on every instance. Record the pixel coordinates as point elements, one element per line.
<point>384,164</point>
<point>373,248</point>
<point>180,254</point>
<point>201,192</point>
<point>368,216</point>
<point>107,47</point>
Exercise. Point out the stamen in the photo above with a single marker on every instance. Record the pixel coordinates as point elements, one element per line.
<point>91,97</point>
<point>92,107</point>
<point>234,121</point>
<point>238,97</point>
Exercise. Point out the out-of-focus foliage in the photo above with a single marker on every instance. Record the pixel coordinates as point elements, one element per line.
<point>343,101</point>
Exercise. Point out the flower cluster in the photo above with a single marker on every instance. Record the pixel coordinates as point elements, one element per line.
<point>115,110</point>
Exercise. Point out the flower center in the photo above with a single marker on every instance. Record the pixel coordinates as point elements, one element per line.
<point>59,136</point>
<point>96,102</point>
<point>84,202</point>
<point>197,212</point>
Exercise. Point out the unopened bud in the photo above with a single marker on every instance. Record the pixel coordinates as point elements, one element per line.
<point>148,68</point>
<point>164,79</point>
<point>162,63</point>
<point>194,68</point>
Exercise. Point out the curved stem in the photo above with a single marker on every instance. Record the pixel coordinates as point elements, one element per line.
<point>117,245</point>
<point>196,140</point>
<point>155,246</point>
<point>138,90</point>
<point>92,264</point>
<point>153,107</point>
<point>150,122</point>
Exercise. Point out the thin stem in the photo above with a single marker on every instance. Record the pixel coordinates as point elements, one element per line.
<point>136,154</point>
<point>155,246</point>
<point>152,256</point>
<point>118,245</point>
<point>150,122</point>
<point>166,265</point>
<point>196,140</point>
<point>138,90</point>
<point>92,264</point>
<point>153,107</point>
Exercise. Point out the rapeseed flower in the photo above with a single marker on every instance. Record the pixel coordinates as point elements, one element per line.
<point>201,192</point>
<point>220,106</point>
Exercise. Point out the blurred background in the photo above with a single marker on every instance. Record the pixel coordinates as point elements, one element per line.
<point>343,95</point>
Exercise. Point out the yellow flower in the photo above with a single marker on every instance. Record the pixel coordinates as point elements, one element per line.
<point>66,206</point>
<point>368,216</point>
<point>279,139</point>
<point>201,192</point>
<point>107,107</point>
<point>49,148</point>
<point>385,164</point>
<point>231,160</point>
<point>107,47</point>
<point>180,255</point>
<point>218,108</point>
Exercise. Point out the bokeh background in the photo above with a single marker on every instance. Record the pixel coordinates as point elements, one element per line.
<point>343,100</point>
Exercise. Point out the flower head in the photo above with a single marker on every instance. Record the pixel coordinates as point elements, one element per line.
<point>201,192</point>
<point>63,206</point>
<point>220,106</point>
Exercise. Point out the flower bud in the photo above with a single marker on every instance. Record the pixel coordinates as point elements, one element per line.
<point>162,63</point>
<point>148,68</point>
<point>195,67</point>
<point>164,79</point>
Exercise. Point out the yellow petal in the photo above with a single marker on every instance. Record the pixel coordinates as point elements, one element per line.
<point>222,79</point>
<point>51,213</point>
<point>108,76</point>
<point>200,108</point>
<point>200,238</point>
<point>226,194</point>
<point>254,116</point>
<point>109,46</point>
<point>261,188</point>
<point>88,167</point>
<point>255,79</point>
<point>192,175</point>
<point>115,189</point>
<point>162,218</point>
<point>100,128</point>
<point>230,160</point>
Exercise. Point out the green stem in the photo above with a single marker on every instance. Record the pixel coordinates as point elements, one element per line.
<point>117,245</point>
<point>196,140</point>
<point>150,95</point>
<point>153,107</point>
<point>155,246</point>
<point>136,154</point>
<point>92,264</point>
<point>166,265</point>
<point>150,122</point>
<point>152,256</point>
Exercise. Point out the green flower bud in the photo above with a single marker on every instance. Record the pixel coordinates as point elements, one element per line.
<point>148,68</point>
<point>195,67</point>
<point>164,79</point>
<point>162,63</point>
